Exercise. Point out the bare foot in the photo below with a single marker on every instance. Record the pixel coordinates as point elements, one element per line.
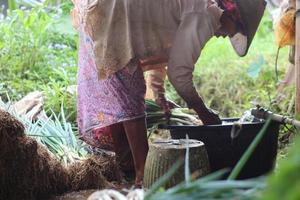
<point>138,183</point>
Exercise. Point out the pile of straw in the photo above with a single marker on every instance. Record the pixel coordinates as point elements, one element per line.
<point>29,171</point>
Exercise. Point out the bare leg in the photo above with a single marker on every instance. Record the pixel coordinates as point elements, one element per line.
<point>137,136</point>
<point>121,146</point>
<point>288,79</point>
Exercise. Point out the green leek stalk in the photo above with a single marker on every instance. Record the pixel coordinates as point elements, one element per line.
<point>237,169</point>
<point>12,5</point>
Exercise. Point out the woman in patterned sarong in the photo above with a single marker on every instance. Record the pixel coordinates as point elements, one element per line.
<point>118,38</point>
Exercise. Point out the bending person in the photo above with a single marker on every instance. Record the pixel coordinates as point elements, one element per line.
<point>115,35</point>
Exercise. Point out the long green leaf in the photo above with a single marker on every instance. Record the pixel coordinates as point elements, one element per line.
<point>163,179</point>
<point>237,169</point>
<point>187,162</point>
<point>12,5</point>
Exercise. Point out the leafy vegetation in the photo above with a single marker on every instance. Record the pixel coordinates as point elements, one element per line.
<point>286,183</point>
<point>54,132</point>
<point>36,55</point>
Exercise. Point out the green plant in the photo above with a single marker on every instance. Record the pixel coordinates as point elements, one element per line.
<point>36,55</point>
<point>211,188</point>
<point>179,116</point>
<point>12,5</point>
<point>285,183</point>
<point>239,166</point>
<point>54,132</point>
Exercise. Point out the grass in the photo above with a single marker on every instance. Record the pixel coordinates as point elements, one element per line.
<point>35,54</point>
<point>285,184</point>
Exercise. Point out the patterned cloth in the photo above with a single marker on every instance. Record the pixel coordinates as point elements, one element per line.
<point>230,6</point>
<point>101,103</point>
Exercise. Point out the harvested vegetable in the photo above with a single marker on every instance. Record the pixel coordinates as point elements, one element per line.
<point>54,132</point>
<point>179,116</point>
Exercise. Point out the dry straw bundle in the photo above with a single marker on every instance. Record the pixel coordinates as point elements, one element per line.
<point>94,172</point>
<point>29,171</point>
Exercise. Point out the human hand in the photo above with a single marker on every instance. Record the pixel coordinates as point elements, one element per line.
<point>210,117</point>
<point>165,105</point>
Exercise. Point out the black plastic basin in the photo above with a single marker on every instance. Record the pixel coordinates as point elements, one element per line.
<point>225,151</point>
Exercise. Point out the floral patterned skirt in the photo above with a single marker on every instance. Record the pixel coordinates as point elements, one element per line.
<point>101,103</point>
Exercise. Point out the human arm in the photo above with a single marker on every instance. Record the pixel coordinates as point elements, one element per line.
<point>74,16</point>
<point>192,35</point>
<point>156,91</point>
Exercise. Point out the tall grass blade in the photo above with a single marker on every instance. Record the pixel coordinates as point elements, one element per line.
<point>163,179</point>
<point>237,169</point>
<point>12,5</point>
<point>187,173</point>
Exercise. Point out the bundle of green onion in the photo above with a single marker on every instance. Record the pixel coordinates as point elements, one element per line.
<point>57,134</point>
<point>54,132</point>
<point>179,116</point>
